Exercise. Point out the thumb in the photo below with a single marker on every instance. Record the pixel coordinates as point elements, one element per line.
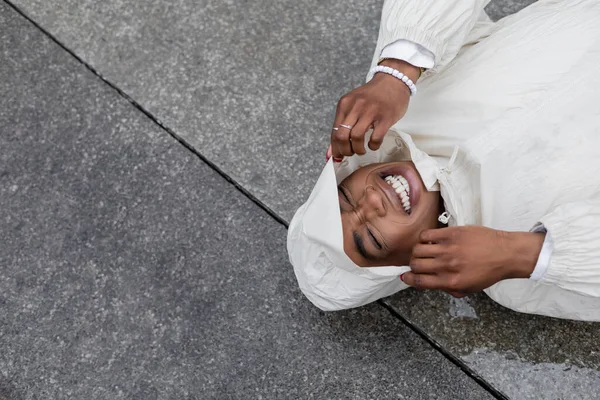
<point>420,281</point>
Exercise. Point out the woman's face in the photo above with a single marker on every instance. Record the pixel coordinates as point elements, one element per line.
<point>384,209</point>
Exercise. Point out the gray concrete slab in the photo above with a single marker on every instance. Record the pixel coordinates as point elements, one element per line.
<point>497,9</point>
<point>253,88</point>
<point>526,356</point>
<point>251,85</point>
<point>130,270</point>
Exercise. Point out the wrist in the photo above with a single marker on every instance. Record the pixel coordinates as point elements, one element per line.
<point>524,250</point>
<point>407,69</point>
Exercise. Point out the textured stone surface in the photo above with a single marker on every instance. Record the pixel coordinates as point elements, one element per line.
<point>251,85</point>
<point>501,8</point>
<point>522,355</point>
<point>130,270</point>
<point>553,381</point>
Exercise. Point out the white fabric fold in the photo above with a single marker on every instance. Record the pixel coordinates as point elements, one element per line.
<point>411,52</point>
<point>440,26</point>
<point>575,263</point>
<point>543,261</point>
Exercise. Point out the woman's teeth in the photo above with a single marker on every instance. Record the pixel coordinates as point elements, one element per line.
<point>401,187</point>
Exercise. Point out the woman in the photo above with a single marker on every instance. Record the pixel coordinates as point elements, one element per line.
<point>501,143</point>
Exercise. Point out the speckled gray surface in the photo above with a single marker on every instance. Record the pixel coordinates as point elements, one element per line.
<point>497,9</point>
<point>251,85</point>
<point>567,381</point>
<point>526,356</point>
<point>130,270</point>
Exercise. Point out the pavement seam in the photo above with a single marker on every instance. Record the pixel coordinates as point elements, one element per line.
<point>448,355</point>
<point>435,345</point>
<point>147,113</point>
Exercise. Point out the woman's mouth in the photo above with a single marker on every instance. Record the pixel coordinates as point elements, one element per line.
<point>401,185</point>
<point>402,189</point>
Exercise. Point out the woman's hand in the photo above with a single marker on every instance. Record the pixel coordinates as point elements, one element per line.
<point>468,259</point>
<point>378,104</point>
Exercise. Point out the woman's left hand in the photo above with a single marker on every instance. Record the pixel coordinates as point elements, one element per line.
<point>378,104</point>
<point>468,259</point>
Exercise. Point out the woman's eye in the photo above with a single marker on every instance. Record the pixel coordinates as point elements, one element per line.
<point>377,244</point>
<point>344,195</point>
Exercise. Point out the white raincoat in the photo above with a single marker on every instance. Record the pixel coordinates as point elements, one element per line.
<point>507,126</point>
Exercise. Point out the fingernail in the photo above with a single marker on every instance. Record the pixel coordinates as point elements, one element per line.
<point>338,159</point>
<point>402,277</point>
<point>328,154</point>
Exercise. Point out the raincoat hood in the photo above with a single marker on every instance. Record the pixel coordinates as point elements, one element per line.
<point>326,275</point>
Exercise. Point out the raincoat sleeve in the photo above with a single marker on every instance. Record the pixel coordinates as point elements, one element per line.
<point>410,52</point>
<point>575,261</point>
<point>440,26</point>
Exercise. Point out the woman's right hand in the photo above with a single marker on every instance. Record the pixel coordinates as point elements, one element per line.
<point>378,104</point>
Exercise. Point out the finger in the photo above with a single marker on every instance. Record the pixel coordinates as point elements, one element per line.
<point>338,136</point>
<point>426,250</point>
<point>344,129</point>
<point>435,235</point>
<point>429,266</point>
<point>358,134</point>
<point>380,129</point>
<point>340,142</point>
<point>328,155</point>
<point>458,295</point>
<point>421,281</point>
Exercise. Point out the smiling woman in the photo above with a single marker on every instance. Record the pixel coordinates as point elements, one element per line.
<point>384,207</point>
<point>500,142</point>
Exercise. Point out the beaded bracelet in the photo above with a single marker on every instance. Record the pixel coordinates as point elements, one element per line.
<point>396,74</point>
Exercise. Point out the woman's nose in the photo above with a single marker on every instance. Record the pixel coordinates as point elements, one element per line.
<point>372,203</point>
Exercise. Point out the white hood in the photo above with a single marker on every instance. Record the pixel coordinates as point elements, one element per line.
<point>326,275</point>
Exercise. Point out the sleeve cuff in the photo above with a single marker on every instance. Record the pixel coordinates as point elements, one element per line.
<point>411,52</point>
<point>543,261</point>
